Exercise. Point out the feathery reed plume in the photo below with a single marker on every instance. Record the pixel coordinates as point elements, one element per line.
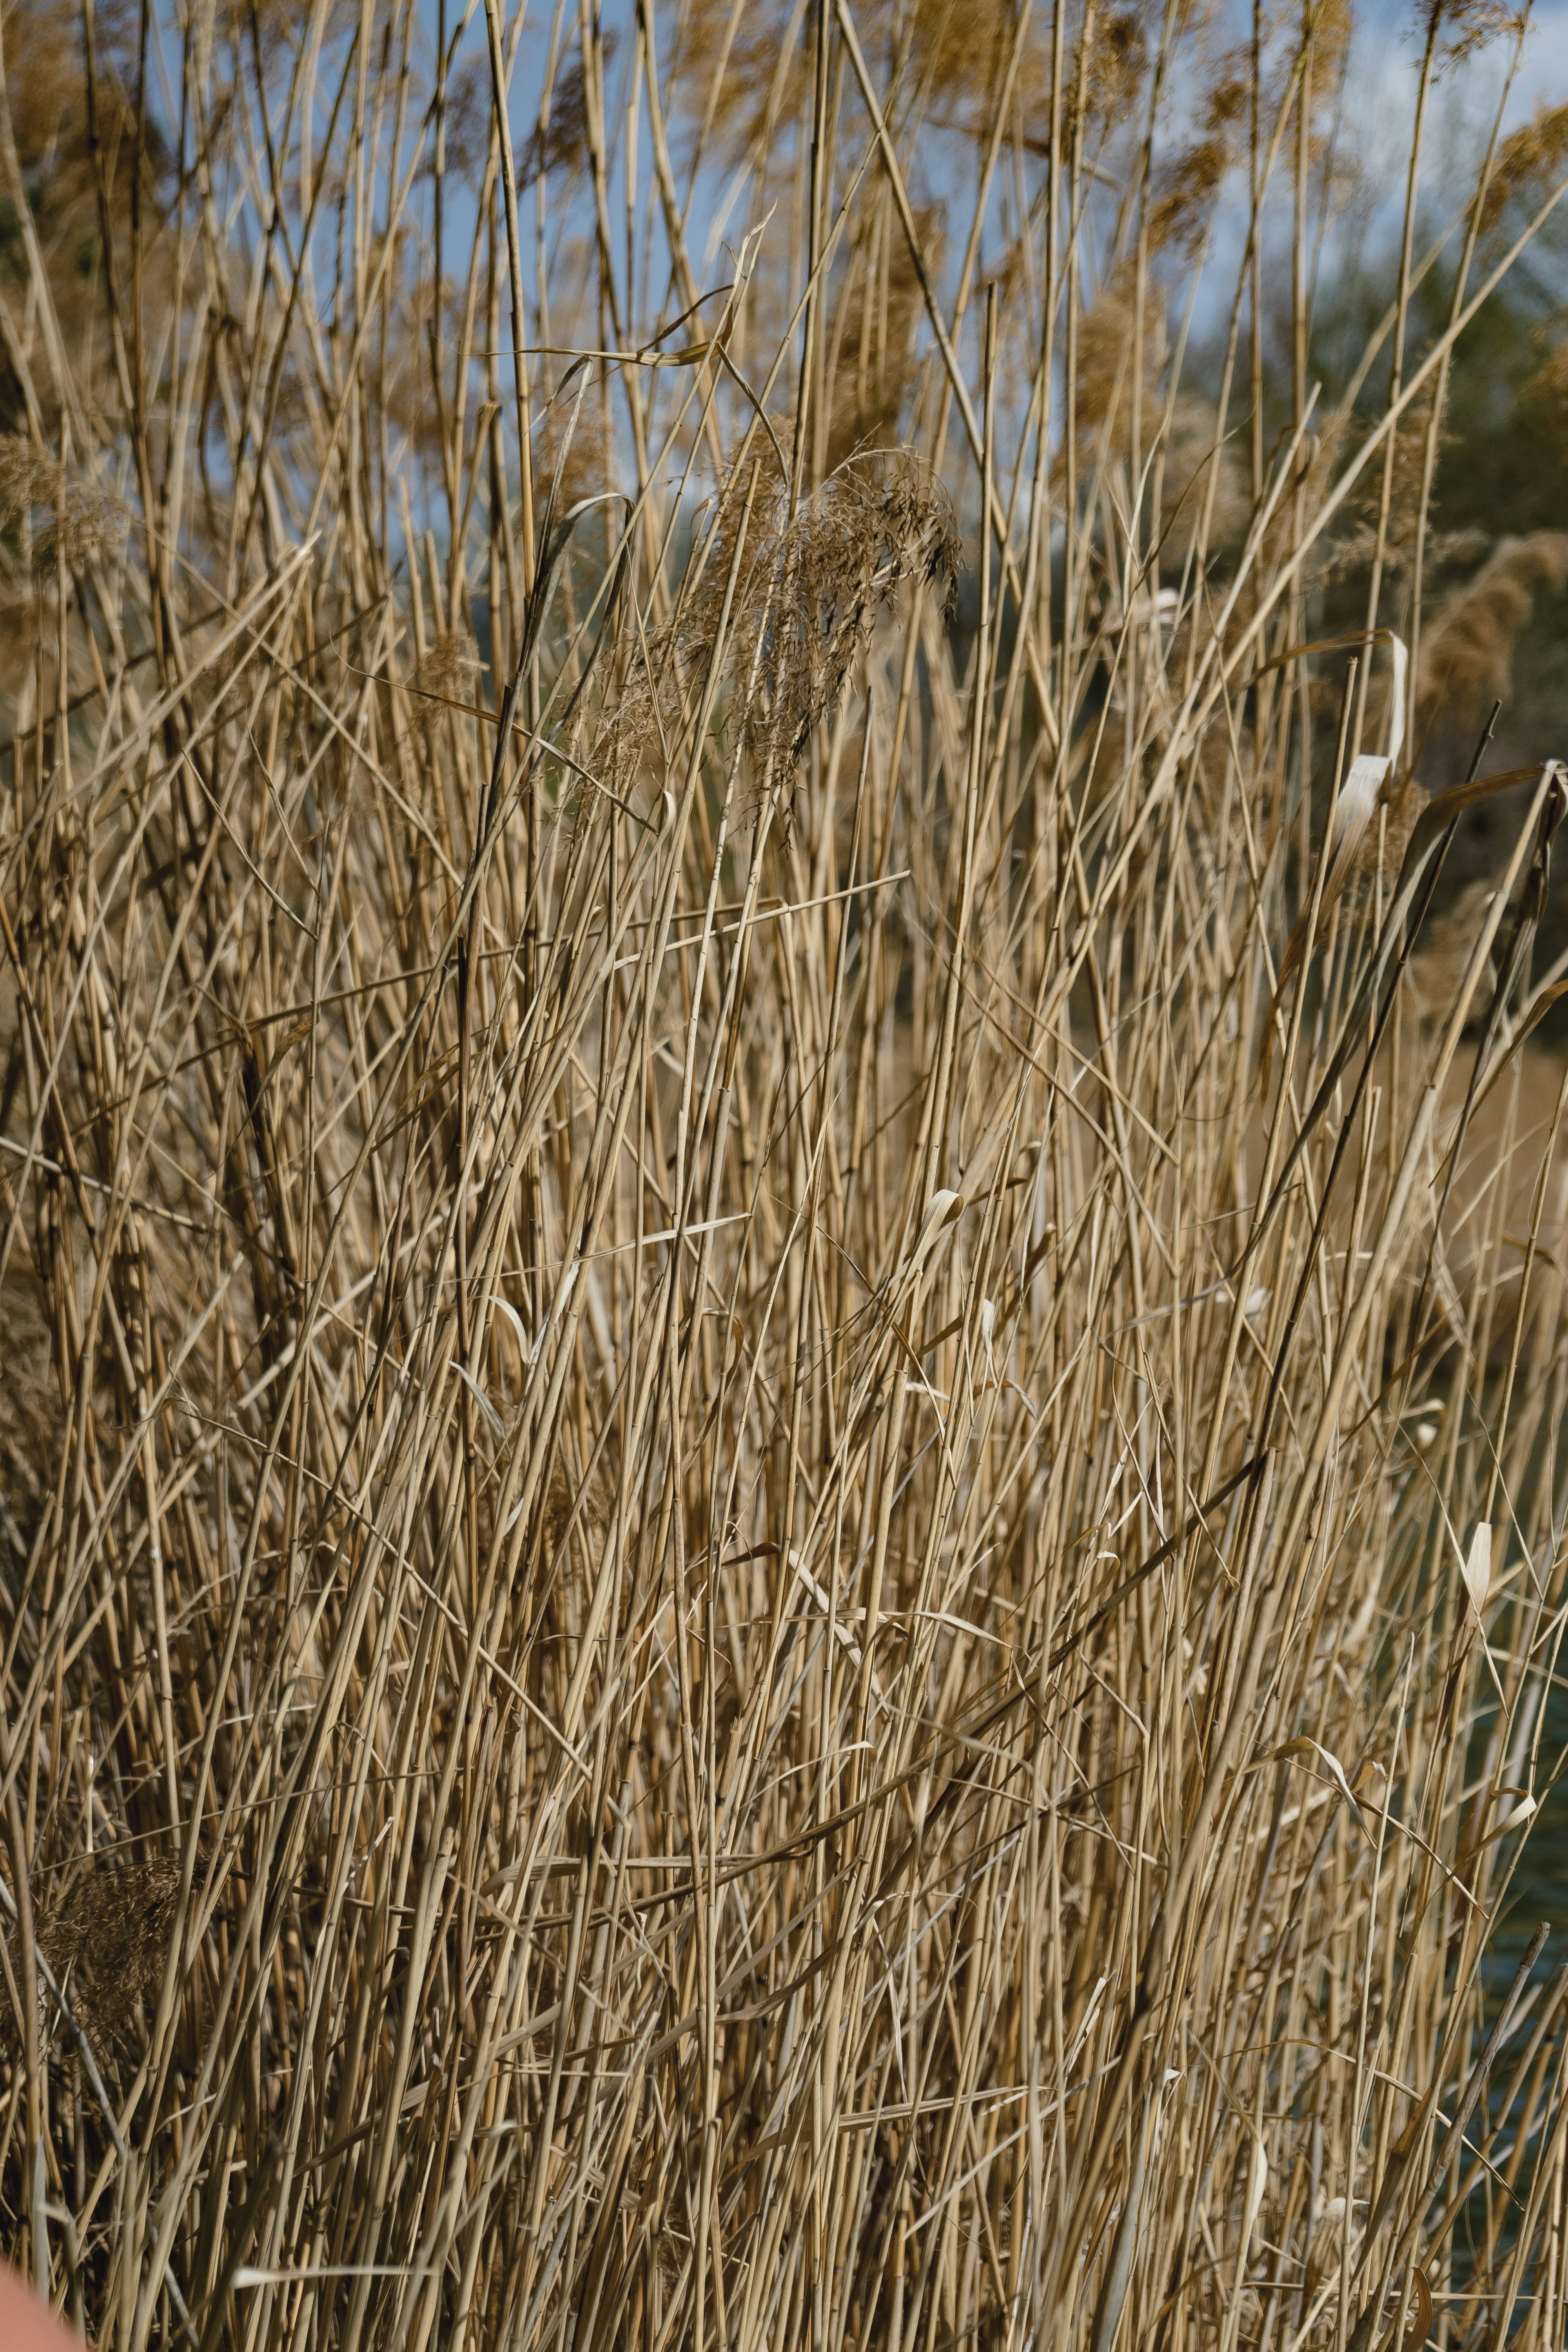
<point>1466,26</point>
<point>447,671</point>
<point>876,334</point>
<point>959,59</point>
<point>105,1935</point>
<point>801,611</point>
<point>1108,69</point>
<point>560,139</point>
<point>1544,397</point>
<point>1187,184</point>
<point>63,518</point>
<point>1437,964</point>
<point>1467,653</point>
<point>1386,517</point>
<point>1203,483</point>
<point>1112,337</point>
<point>1528,163</point>
<point>735,69</point>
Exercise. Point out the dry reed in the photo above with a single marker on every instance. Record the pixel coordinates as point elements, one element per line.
<point>744,1604</point>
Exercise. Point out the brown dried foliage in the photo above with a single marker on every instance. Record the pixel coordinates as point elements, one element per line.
<point>29,1397</point>
<point>697,1768</point>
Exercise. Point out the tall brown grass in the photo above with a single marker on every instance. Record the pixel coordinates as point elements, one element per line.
<point>752,1596</point>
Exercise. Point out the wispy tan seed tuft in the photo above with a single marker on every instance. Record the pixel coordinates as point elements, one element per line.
<point>1467,654</point>
<point>1529,163</point>
<point>447,671</point>
<point>1437,965</point>
<point>106,1937</point>
<point>808,592</point>
<point>876,332</point>
<point>64,515</point>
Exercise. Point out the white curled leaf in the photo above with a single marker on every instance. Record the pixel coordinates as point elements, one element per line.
<point>1477,1567</point>
<point>1336,1771</point>
<point>518,1325</point>
<point>1256,2183</point>
<point>823,1602</point>
<point>819,1594</point>
<point>944,1207</point>
<point>1353,815</point>
<point>1358,794</point>
<point>1401,652</point>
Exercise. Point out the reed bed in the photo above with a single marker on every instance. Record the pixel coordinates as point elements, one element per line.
<point>781,1530</point>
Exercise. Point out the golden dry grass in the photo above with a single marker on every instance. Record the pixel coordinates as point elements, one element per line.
<point>775,1568</point>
